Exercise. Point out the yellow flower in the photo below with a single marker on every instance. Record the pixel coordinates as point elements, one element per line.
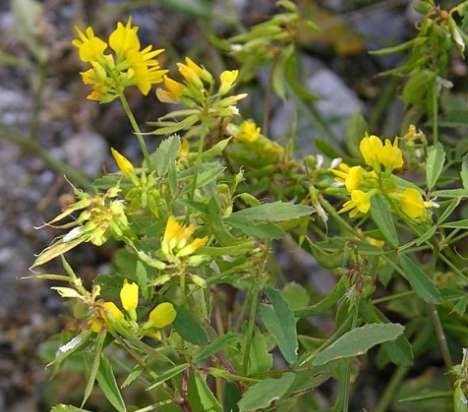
<point>162,315</point>
<point>184,149</point>
<point>371,147</point>
<point>412,203</point>
<point>144,69</point>
<point>248,132</point>
<point>108,311</point>
<point>190,71</point>
<point>350,176</point>
<point>129,66</point>
<point>124,38</point>
<point>90,47</point>
<point>359,203</point>
<point>123,163</point>
<point>412,132</point>
<point>129,296</point>
<point>390,155</point>
<point>176,239</point>
<point>173,91</point>
<point>375,153</point>
<point>227,79</point>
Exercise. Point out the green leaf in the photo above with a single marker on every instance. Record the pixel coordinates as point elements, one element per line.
<point>94,367</point>
<point>280,322</point>
<point>354,132</point>
<point>168,374</point>
<point>278,78</point>
<point>383,218</point>
<point>67,408</point>
<point>451,193</point>
<point>358,341</point>
<point>207,399</point>
<point>70,347</point>
<point>214,346</point>
<point>296,295</point>
<point>464,172</point>
<point>262,394</point>
<point>189,327</point>
<point>457,224</point>
<point>57,249</point>
<point>166,154</point>
<point>108,384</point>
<point>260,360</point>
<point>434,164</point>
<point>272,212</point>
<point>418,280</point>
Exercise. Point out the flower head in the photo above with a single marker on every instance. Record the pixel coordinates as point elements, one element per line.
<point>176,240</point>
<point>350,176</point>
<point>412,203</point>
<point>124,38</point>
<point>359,203</point>
<point>90,47</point>
<point>123,163</point>
<point>172,92</point>
<point>370,148</point>
<point>390,155</point>
<point>128,66</point>
<point>162,315</point>
<point>248,132</point>
<point>129,296</point>
<point>227,79</point>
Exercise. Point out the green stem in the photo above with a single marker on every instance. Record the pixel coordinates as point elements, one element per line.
<point>435,112</point>
<point>135,127</point>
<point>201,145</point>
<point>396,296</point>
<point>391,388</point>
<point>37,103</point>
<point>250,331</point>
<point>347,380</point>
<point>440,334</point>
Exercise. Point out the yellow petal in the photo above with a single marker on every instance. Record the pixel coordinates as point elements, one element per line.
<point>112,311</point>
<point>123,163</point>
<point>129,296</point>
<point>124,38</point>
<point>162,315</point>
<point>193,246</point>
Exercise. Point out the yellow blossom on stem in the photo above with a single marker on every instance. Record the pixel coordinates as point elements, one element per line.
<point>390,155</point>
<point>370,148</point>
<point>162,315</point>
<point>412,203</point>
<point>90,47</point>
<point>176,240</point>
<point>248,132</point>
<point>129,296</point>
<point>359,203</point>
<point>227,79</point>
<point>123,163</point>
<point>129,66</point>
<point>172,92</point>
<point>124,38</point>
<point>351,177</point>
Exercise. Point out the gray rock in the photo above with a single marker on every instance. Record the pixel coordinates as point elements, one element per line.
<point>86,151</point>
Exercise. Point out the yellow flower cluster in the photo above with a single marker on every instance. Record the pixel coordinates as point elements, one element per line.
<point>197,85</point>
<point>109,314</point>
<point>128,65</point>
<point>176,242</point>
<point>362,184</point>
